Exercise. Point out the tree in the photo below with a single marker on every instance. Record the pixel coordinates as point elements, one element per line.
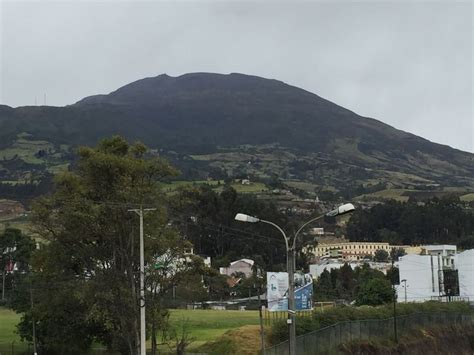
<point>91,258</point>
<point>16,249</point>
<point>323,289</point>
<point>214,232</point>
<point>396,253</point>
<point>374,292</point>
<point>381,256</point>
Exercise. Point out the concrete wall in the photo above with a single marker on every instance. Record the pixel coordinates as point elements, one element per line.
<point>465,266</point>
<point>421,273</point>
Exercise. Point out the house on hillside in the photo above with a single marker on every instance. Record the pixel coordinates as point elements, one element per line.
<point>239,266</point>
<point>11,208</point>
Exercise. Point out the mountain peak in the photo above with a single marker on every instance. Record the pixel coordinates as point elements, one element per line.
<point>150,90</point>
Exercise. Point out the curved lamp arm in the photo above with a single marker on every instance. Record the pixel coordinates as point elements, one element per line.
<point>343,209</point>
<point>277,227</point>
<point>303,226</point>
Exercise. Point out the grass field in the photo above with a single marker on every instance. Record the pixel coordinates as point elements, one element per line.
<point>253,187</point>
<point>204,325</point>
<point>395,194</point>
<point>468,197</point>
<point>8,321</point>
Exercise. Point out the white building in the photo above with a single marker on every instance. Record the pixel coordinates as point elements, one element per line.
<point>425,273</point>
<point>239,266</point>
<point>465,266</point>
<point>421,273</point>
<point>317,269</point>
<point>329,264</point>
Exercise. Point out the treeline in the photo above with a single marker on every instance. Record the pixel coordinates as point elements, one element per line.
<point>363,285</point>
<point>90,227</point>
<point>206,218</point>
<point>25,192</point>
<point>439,220</point>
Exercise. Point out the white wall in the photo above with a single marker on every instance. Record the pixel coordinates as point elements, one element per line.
<point>465,266</point>
<point>317,269</point>
<point>422,280</point>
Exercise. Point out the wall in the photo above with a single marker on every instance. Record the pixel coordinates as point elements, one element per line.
<point>422,279</point>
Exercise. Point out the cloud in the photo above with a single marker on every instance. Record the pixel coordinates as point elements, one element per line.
<point>407,63</point>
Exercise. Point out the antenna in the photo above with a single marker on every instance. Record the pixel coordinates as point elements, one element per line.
<point>44,101</point>
<point>36,101</point>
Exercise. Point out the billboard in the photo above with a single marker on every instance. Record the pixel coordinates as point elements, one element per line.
<point>277,291</point>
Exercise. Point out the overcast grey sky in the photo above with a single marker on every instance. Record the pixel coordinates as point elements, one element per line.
<point>406,63</point>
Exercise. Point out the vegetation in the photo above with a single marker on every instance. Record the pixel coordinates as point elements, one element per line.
<point>218,126</point>
<point>203,325</point>
<point>440,221</point>
<point>363,285</point>
<point>435,340</point>
<point>91,248</point>
<point>15,250</point>
<point>331,316</point>
<point>88,260</point>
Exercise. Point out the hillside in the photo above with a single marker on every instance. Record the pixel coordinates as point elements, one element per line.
<point>234,125</point>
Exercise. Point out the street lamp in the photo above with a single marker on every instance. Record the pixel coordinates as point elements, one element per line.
<point>290,260</point>
<point>405,287</point>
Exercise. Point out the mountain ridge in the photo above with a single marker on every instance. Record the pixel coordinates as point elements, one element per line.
<point>208,113</point>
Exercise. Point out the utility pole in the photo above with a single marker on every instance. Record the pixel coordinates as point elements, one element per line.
<point>33,321</point>
<point>140,212</point>
<point>262,334</point>
<point>291,300</point>
<point>3,283</point>
<point>395,332</point>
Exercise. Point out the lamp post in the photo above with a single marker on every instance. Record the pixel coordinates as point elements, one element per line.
<point>290,260</point>
<point>405,287</point>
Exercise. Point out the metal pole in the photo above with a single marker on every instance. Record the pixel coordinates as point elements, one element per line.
<point>395,332</point>
<point>405,282</point>
<point>291,301</point>
<point>33,322</point>
<point>262,335</point>
<point>291,309</point>
<point>142,288</point>
<point>3,284</point>
<point>140,212</point>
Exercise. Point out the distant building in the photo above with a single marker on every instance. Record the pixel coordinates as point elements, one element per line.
<point>353,251</point>
<point>465,266</point>
<point>239,266</point>
<point>330,264</point>
<point>432,275</point>
<point>349,250</point>
<point>11,208</point>
<point>317,231</point>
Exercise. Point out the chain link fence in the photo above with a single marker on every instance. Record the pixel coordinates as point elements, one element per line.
<point>326,340</point>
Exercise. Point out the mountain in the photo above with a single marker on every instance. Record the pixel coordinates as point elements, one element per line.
<point>243,125</point>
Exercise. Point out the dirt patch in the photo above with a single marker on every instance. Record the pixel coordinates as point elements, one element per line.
<point>243,340</point>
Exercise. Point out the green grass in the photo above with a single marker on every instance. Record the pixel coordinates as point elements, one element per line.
<point>468,197</point>
<point>26,150</point>
<point>252,188</point>
<point>395,194</point>
<point>174,185</point>
<point>204,325</point>
<point>8,320</point>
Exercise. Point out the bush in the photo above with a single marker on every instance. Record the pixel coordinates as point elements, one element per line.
<point>318,320</point>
